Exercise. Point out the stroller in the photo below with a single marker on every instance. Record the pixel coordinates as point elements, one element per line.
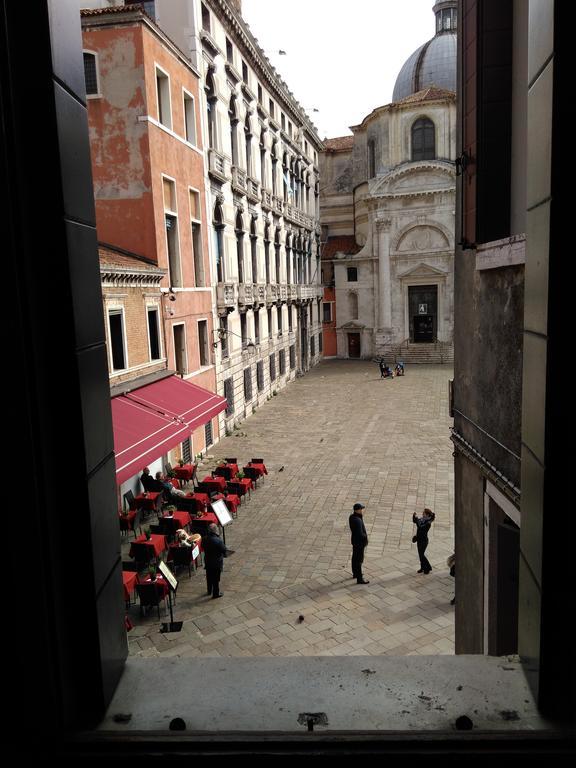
<point>399,368</point>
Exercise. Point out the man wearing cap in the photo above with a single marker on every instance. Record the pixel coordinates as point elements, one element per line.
<point>359,542</point>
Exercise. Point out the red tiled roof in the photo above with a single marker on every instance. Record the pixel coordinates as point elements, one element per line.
<point>428,94</point>
<point>344,244</point>
<point>112,9</point>
<point>110,257</point>
<point>340,143</point>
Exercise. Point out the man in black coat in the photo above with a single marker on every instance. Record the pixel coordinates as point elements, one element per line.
<point>359,542</point>
<point>214,553</point>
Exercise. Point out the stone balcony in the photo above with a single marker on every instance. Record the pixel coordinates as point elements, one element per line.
<point>238,180</point>
<point>278,205</point>
<point>298,217</point>
<point>246,294</point>
<point>216,165</point>
<point>271,293</point>
<point>283,293</point>
<point>225,295</point>
<point>260,293</point>
<point>267,200</point>
<point>252,190</point>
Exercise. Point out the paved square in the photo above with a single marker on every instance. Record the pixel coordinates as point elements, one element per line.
<point>342,434</point>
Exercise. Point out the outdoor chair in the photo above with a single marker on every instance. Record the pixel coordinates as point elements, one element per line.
<point>257,461</point>
<point>181,557</point>
<point>142,554</point>
<point>126,566</point>
<point>150,595</point>
<point>231,461</point>
<point>252,473</point>
<point>129,499</point>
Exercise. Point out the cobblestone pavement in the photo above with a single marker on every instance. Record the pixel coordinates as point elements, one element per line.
<point>342,434</point>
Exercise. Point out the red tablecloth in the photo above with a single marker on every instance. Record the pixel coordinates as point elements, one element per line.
<point>202,500</point>
<point>145,502</point>
<point>196,546</point>
<point>220,470</point>
<point>126,520</point>
<point>232,501</point>
<point>246,482</point>
<point>204,521</point>
<point>157,542</point>
<point>217,483</point>
<point>181,516</point>
<point>129,578</point>
<point>185,472</point>
<point>160,581</point>
<point>260,467</point>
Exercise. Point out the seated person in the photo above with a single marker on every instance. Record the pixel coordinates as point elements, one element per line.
<point>166,487</point>
<point>187,539</point>
<point>399,369</point>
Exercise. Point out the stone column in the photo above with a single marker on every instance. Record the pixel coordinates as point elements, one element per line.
<point>383,227</point>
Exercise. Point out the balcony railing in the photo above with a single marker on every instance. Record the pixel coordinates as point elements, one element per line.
<point>246,293</point>
<point>252,190</point>
<point>261,293</point>
<point>271,293</point>
<point>216,165</point>
<point>267,200</point>
<point>225,296</point>
<point>238,179</point>
<point>283,292</point>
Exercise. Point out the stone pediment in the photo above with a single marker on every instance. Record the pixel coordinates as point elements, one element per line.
<point>423,270</point>
<point>423,238</point>
<point>352,325</point>
<point>423,178</point>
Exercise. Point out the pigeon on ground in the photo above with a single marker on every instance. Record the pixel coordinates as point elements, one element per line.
<point>300,618</point>
<point>281,468</point>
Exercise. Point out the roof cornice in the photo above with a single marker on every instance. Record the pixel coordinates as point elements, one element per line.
<point>267,72</point>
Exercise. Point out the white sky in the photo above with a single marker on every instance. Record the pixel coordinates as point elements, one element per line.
<point>342,57</point>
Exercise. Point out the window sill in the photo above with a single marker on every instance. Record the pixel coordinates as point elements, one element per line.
<point>376,695</point>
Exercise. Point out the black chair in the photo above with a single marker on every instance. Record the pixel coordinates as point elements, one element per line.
<point>136,522</point>
<point>235,488</point>
<point>231,461</point>
<point>150,595</point>
<point>156,528</point>
<point>168,468</point>
<point>142,554</point>
<point>225,472</point>
<point>186,504</point>
<point>129,499</point>
<point>257,461</point>
<point>252,473</point>
<point>168,527</point>
<point>132,567</point>
<point>181,557</point>
<point>203,488</point>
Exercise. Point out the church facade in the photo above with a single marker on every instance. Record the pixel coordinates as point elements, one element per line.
<point>387,210</point>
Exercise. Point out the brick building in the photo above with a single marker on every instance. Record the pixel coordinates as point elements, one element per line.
<point>148,175</point>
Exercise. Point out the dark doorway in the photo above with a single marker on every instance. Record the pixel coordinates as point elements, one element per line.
<point>508,549</point>
<point>423,328</point>
<point>353,345</point>
<point>423,313</point>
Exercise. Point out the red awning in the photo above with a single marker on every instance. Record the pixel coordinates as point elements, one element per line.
<point>151,420</point>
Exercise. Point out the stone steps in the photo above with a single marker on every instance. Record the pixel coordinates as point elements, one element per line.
<point>420,354</point>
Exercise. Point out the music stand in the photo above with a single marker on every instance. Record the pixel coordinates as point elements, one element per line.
<point>223,514</point>
<point>173,626</point>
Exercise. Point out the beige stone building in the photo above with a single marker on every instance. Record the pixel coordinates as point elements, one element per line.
<point>391,188</point>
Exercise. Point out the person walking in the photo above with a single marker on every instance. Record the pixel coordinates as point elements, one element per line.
<point>359,542</point>
<point>421,538</point>
<point>382,366</point>
<point>214,553</point>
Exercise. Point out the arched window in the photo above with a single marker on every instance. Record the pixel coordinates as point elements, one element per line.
<point>263,159</point>
<point>289,241</point>
<point>253,249</point>
<point>240,246</point>
<point>267,251</point>
<point>353,305</point>
<point>274,156</point>
<point>277,254</point>
<point>423,140</point>
<point>233,115</point>
<point>211,109</point>
<point>218,232</point>
<point>371,158</point>
<point>248,140</point>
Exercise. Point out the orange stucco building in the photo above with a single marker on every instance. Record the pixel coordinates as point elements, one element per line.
<point>148,174</point>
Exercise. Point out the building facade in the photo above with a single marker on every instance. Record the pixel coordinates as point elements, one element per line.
<point>262,180</point>
<point>148,172</point>
<point>391,187</point>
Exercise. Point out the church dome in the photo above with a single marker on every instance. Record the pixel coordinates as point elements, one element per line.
<point>434,63</point>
